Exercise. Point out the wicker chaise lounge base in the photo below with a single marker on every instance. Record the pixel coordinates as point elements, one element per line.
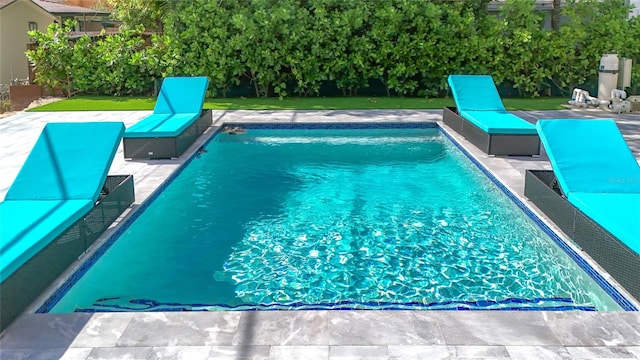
<point>24,286</point>
<point>491,144</point>
<point>166,147</point>
<point>615,257</point>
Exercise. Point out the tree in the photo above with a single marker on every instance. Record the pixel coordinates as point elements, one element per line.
<point>556,12</point>
<point>148,13</point>
<point>53,58</point>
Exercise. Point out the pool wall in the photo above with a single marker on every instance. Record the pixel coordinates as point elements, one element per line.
<point>624,303</point>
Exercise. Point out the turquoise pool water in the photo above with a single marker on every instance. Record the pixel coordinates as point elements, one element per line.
<point>378,218</point>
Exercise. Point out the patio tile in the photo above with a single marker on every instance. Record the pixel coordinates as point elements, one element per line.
<point>384,328</point>
<point>538,352</point>
<point>495,328</point>
<point>120,353</point>
<point>599,352</point>
<point>43,331</point>
<point>76,354</point>
<point>179,353</point>
<point>632,319</point>
<point>358,352</point>
<point>282,328</point>
<point>18,354</point>
<point>481,352</point>
<point>252,352</point>
<point>599,329</point>
<point>420,352</point>
<point>299,352</point>
<point>180,329</point>
<point>103,330</point>
<point>43,354</point>
<point>634,351</point>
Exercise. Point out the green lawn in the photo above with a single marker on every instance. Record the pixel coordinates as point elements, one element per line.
<point>106,103</point>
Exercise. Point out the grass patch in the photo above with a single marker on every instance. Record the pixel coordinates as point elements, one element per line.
<point>327,103</point>
<point>547,103</point>
<point>109,103</point>
<point>99,103</point>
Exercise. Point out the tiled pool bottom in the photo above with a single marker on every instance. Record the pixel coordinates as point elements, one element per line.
<point>286,335</point>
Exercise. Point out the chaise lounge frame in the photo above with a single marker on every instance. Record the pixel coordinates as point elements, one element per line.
<point>541,187</point>
<point>167,147</point>
<point>491,144</point>
<point>27,283</point>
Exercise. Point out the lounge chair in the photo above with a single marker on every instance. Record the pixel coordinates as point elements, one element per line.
<point>481,118</point>
<point>61,201</point>
<point>177,121</point>
<point>593,193</point>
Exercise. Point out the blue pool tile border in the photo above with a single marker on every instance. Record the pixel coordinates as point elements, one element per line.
<point>336,126</point>
<point>538,304</point>
<point>59,293</point>
<point>584,265</point>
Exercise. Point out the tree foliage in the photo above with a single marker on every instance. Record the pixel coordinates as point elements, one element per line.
<point>135,13</point>
<point>313,47</point>
<point>53,59</point>
<point>116,64</point>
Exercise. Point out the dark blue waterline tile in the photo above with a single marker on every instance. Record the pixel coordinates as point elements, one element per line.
<point>337,126</point>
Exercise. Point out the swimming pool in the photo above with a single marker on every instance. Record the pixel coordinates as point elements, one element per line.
<point>326,218</point>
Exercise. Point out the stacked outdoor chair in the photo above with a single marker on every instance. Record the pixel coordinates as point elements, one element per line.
<point>593,193</point>
<point>481,118</point>
<point>177,121</point>
<point>60,202</point>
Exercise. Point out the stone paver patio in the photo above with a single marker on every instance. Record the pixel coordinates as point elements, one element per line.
<point>309,334</point>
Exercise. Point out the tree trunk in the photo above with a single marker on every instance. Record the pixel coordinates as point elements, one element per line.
<point>555,15</point>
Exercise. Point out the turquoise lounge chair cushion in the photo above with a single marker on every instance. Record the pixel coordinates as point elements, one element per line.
<point>475,93</point>
<point>57,185</point>
<point>589,156</point>
<point>161,125</point>
<point>499,122</point>
<point>181,95</point>
<point>179,105</point>
<point>27,226</point>
<point>68,161</point>
<point>619,213</point>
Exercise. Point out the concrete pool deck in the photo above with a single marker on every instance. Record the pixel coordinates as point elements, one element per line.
<point>310,334</point>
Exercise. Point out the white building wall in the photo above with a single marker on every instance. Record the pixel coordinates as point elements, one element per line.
<point>14,24</point>
<point>636,10</point>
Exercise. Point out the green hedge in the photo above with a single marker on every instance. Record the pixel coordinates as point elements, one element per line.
<point>347,47</point>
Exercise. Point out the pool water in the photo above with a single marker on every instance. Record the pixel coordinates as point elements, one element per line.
<point>321,219</point>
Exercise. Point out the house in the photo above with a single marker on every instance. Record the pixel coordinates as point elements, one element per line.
<point>17,17</point>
